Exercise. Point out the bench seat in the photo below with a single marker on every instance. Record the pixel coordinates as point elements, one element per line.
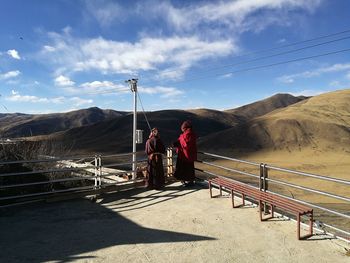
<point>261,197</point>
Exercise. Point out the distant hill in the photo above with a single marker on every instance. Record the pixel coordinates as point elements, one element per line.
<point>281,122</point>
<point>265,106</point>
<point>116,135</point>
<point>321,122</point>
<point>24,125</point>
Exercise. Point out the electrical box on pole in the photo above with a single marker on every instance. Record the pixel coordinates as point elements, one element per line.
<point>139,136</point>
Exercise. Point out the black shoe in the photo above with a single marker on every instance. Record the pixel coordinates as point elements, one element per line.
<point>189,184</point>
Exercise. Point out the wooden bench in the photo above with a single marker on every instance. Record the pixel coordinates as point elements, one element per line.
<point>261,197</point>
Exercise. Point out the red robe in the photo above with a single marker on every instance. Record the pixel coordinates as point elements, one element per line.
<point>186,155</point>
<point>188,146</point>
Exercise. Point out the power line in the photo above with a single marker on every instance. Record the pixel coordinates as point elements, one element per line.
<point>144,113</point>
<point>275,55</point>
<point>268,65</point>
<point>280,47</point>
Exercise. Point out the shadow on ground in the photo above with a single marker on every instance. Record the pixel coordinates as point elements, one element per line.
<point>64,230</point>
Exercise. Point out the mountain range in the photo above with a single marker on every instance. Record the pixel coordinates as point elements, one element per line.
<point>280,122</point>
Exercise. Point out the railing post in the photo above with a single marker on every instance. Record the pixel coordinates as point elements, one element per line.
<point>265,186</point>
<point>169,161</point>
<point>96,171</point>
<point>261,175</point>
<point>99,171</point>
<point>265,176</point>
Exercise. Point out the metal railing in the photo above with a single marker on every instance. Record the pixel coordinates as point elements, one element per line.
<point>92,173</point>
<point>23,179</point>
<point>262,181</point>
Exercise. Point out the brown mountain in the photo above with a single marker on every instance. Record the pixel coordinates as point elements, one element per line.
<point>265,106</point>
<point>116,135</point>
<point>23,125</point>
<point>321,122</point>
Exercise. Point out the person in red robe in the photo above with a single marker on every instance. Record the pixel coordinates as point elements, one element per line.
<point>154,150</point>
<point>186,148</point>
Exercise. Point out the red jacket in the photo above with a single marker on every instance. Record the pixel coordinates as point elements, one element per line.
<point>187,149</point>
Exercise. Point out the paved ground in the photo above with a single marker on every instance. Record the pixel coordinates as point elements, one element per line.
<point>174,225</point>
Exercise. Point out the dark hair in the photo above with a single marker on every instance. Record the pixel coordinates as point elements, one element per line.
<point>186,125</point>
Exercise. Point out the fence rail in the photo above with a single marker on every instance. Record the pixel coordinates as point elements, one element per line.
<point>94,173</point>
<point>263,184</point>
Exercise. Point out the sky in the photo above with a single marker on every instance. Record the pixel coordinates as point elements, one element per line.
<point>63,55</point>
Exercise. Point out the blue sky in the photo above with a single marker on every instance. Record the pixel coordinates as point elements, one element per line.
<point>63,55</point>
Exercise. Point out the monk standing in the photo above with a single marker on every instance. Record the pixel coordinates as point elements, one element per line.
<point>154,149</point>
<point>186,154</point>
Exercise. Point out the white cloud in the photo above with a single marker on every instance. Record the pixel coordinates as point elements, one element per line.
<point>241,15</point>
<point>314,73</point>
<point>17,97</point>
<point>79,101</point>
<point>75,101</point>
<point>13,53</point>
<point>308,92</point>
<point>229,75</point>
<point>10,74</point>
<point>63,81</point>
<point>165,92</point>
<point>49,48</point>
<point>348,76</point>
<point>100,87</point>
<point>105,12</point>
<point>147,54</point>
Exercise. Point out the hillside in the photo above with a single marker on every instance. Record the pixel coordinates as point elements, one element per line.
<point>23,125</point>
<point>320,123</point>
<point>116,135</point>
<point>265,106</point>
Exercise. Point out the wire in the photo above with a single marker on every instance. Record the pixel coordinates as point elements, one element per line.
<point>275,55</point>
<point>144,113</point>
<point>268,65</point>
<point>283,46</point>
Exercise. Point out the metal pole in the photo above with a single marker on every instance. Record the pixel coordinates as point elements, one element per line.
<point>133,86</point>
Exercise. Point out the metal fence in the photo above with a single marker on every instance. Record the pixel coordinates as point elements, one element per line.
<point>34,179</point>
<point>29,179</point>
<point>260,179</point>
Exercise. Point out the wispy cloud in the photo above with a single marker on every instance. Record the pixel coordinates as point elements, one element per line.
<point>241,15</point>
<point>165,92</point>
<point>308,92</point>
<point>14,54</point>
<point>229,75</point>
<point>63,81</point>
<point>105,12</point>
<point>75,101</point>
<point>101,87</point>
<point>10,75</point>
<point>71,54</point>
<point>314,73</point>
<point>17,97</point>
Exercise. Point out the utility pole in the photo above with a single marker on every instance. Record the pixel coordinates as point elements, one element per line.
<point>133,87</point>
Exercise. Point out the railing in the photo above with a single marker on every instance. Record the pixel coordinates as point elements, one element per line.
<point>260,179</point>
<point>51,175</point>
<point>25,180</point>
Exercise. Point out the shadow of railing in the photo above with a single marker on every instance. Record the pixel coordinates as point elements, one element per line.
<point>63,231</point>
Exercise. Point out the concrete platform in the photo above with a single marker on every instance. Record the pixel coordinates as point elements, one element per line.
<point>175,225</point>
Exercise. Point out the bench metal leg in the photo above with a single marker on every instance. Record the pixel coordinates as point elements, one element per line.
<point>220,188</point>
<point>210,190</point>
<point>243,199</point>
<point>260,212</point>
<point>298,226</point>
<point>233,197</point>
<point>311,223</point>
